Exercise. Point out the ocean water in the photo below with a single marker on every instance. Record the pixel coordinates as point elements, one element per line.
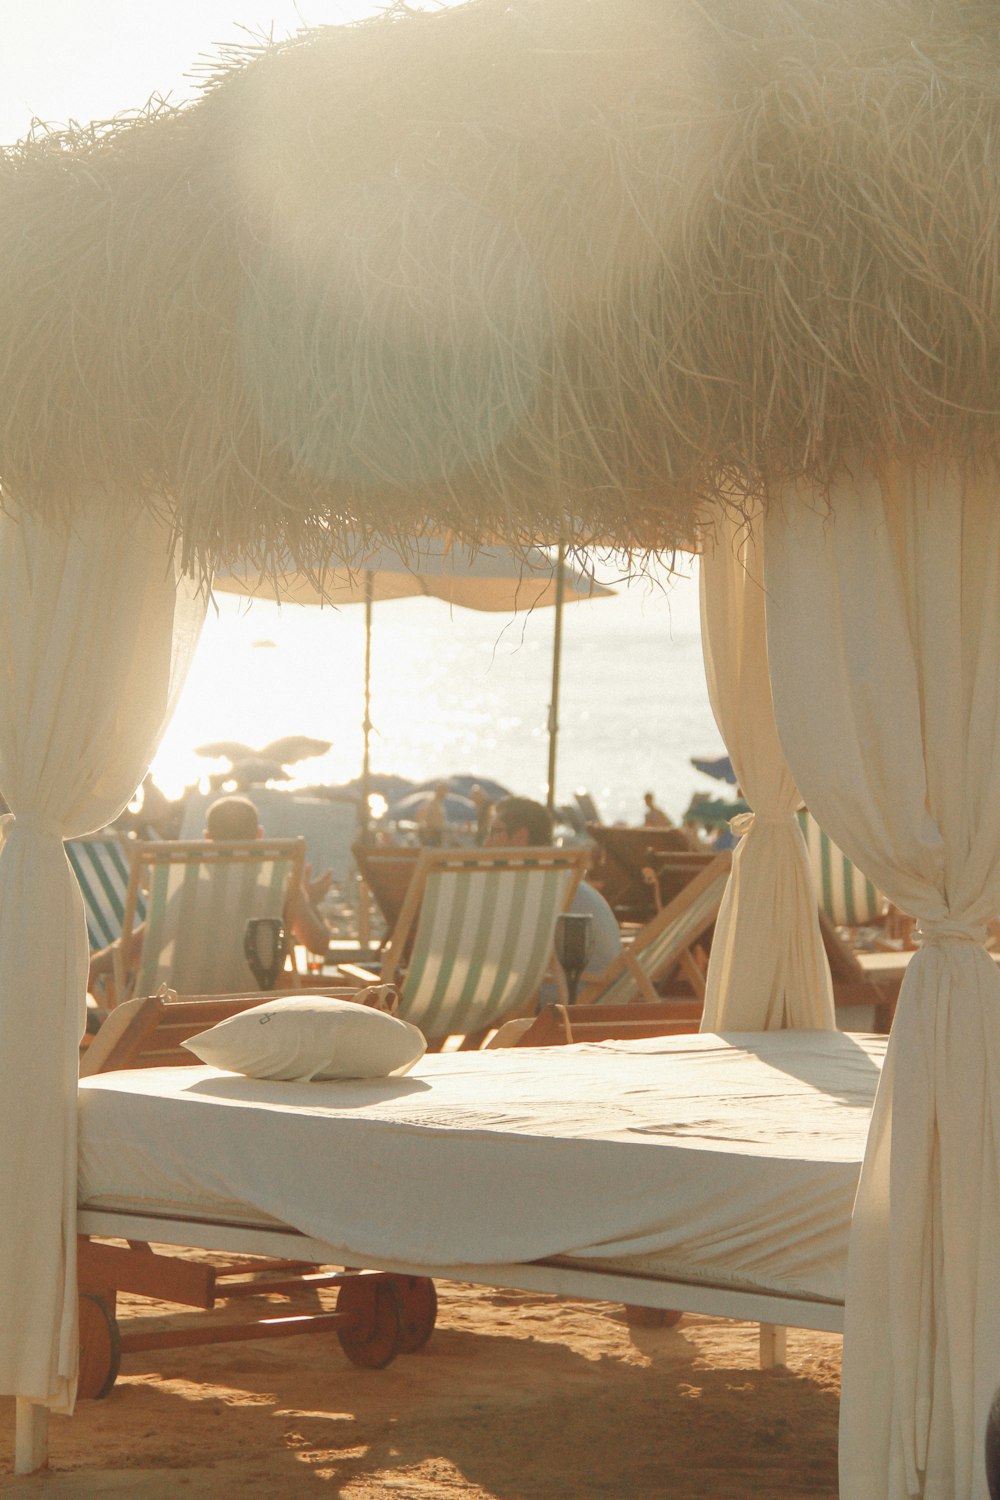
<point>460,691</point>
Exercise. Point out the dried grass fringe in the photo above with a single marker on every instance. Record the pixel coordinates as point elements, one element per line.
<point>481,269</point>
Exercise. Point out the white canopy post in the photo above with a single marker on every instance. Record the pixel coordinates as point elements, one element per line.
<point>884,642</point>
<point>95,638</point>
<point>768,967</point>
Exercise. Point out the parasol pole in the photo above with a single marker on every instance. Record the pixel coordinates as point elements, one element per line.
<point>364,810</point>
<point>550,800</point>
<point>366,723</point>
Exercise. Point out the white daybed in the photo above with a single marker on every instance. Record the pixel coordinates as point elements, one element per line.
<point>692,1172</point>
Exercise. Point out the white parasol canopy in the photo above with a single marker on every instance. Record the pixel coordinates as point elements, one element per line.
<point>492,577</point>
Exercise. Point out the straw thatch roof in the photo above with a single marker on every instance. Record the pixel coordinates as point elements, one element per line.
<point>487,265</point>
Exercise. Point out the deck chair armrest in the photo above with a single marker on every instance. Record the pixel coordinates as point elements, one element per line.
<point>358,974</point>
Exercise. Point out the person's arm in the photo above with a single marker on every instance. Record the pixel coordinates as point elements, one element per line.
<point>308,927</point>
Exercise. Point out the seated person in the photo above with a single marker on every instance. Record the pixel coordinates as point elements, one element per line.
<point>521,822</point>
<point>235,819</point>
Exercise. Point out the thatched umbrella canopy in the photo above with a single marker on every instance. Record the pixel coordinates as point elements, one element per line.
<point>489,265</point>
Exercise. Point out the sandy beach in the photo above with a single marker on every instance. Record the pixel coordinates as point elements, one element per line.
<point>517,1396</point>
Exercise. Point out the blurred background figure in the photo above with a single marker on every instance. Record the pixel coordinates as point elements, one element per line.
<point>483,803</point>
<point>432,817</point>
<point>655,816</point>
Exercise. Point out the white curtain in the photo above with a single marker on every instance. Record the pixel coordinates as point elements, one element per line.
<point>884,642</point>
<point>95,638</point>
<point>768,967</point>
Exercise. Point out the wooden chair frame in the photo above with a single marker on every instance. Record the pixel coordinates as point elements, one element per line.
<point>680,952</point>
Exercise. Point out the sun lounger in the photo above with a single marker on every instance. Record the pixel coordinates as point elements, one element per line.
<point>101,866</point>
<point>625,856</point>
<point>199,895</point>
<point>387,873</point>
<point>474,936</point>
<point>846,895</point>
<point>668,942</point>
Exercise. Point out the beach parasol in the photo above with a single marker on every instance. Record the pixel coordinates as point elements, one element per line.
<point>492,577</point>
<point>457,809</point>
<point>464,783</point>
<point>287,751</point>
<point>720,767</point>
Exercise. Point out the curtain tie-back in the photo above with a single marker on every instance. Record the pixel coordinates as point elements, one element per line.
<point>948,930</point>
<point>29,822</point>
<point>743,822</point>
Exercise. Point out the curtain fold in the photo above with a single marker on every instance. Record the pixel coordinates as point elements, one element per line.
<point>768,967</point>
<point>884,641</point>
<point>96,633</point>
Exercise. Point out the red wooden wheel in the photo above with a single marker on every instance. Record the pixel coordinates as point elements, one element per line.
<point>419,1310</point>
<point>372,1332</point>
<point>651,1317</point>
<point>100,1347</point>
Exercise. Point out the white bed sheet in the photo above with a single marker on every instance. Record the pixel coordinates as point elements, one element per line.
<point>731,1159</point>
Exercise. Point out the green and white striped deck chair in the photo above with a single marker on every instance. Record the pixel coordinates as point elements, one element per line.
<point>485,922</point>
<point>846,896</point>
<point>199,896</point>
<point>100,865</point>
<point>665,942</point>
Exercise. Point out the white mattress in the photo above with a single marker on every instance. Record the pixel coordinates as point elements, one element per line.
<point>726,1159</point>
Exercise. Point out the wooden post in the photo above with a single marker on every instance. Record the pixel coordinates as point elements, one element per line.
<point>31,1437</point>
<point>773,1345</point>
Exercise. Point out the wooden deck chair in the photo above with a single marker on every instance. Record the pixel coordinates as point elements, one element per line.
<point>625,854</point>
<point>387,873</point>
<point>101,866</point>
<point>665,942</point>
<point>845,895</point>
<point>199,895</point>
<point>482,923</point>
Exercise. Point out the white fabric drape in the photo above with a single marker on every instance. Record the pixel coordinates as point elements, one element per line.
<point>95,637</point>
<point>768,967</point>
<point>884,642</point>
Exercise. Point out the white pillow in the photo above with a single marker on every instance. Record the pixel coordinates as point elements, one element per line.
<point>299,1038</point>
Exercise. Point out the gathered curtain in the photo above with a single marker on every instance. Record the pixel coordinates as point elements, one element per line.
<point>884,642</point>
<point>767,967</point>
<point>96,633</point>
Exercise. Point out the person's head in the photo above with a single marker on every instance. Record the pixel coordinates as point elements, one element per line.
<point>519,821</point>
<point>647,797</point>
<point>232,818</point>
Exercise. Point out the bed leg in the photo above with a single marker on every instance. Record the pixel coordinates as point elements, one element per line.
<point>31,1437</point>
<point>773,1345</point>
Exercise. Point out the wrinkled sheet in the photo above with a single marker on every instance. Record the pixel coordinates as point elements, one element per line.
<point>732,1158</point>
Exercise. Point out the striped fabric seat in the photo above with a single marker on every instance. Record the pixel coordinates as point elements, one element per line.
<point>485,925</point>
<point>665,941</point>
<point>846,895</point>
<point>101,868</point>
<point>199,896</point>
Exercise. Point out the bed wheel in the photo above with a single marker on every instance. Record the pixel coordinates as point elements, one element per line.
<point>651,1317</point>
<point>419,1310</point>
<point>100,1347</point>
<point>372,1333</point>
